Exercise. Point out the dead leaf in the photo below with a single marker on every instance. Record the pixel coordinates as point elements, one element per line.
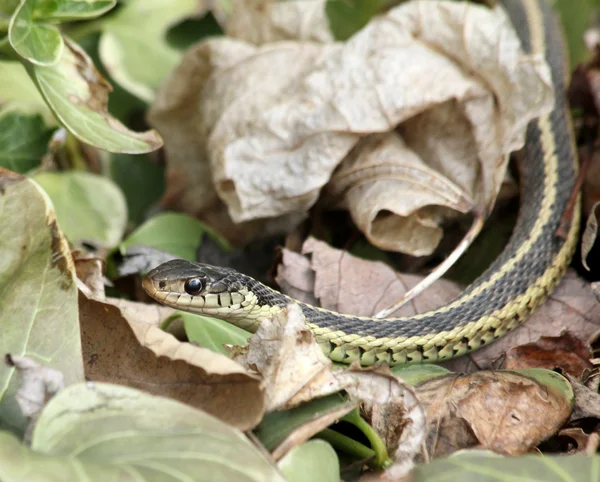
<point>565,351</point>
<point>293,366</point>
<point>587,402</point>
<point>278,119</point>
<point>347,284</point>
<point>38,384</point>
<point>120,348</point>
<point>586,443</point>
<point>89,271</point>
<point>501,411</point>
<point>572,306</point>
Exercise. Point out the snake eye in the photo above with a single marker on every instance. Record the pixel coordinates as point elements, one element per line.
<point>193,286</point>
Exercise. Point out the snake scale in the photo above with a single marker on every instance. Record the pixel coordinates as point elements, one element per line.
<point>519,280</point>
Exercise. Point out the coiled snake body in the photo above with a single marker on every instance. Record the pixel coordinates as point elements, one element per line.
<point>522,277</point>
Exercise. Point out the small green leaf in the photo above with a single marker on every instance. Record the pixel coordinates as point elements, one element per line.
<point>415,374</point>
<point>64,10</point>
<point>103,432</point>
<point>135,51</point>
<point>314,460</point>
<point>346,17</point>
<point>77,95</point>
<point>276,426</point>
<point>38,296</point>
<point>23,140</point>
<point>212,333</point>
<point>174,233</point>
<point>89,207</point>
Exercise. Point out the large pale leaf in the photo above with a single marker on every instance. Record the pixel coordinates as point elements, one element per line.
<point>78,94</point>
<point>212,333</point>
<point>99,431</point>
<point>89,207</point>
<point>134,48</point>
<point>38,296</point>
<point>18,88</point>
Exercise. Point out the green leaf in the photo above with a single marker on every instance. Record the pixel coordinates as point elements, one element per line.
<point>141,180</point>
<point>64,10</point>
<point>134,48</point>
<point>89,207</point>
<point>38,296</point>
<point>18,89</point>
<point>415,374</point>
<point>103,432</point>
<point>212,333</point>
<point>276,426</point>
<point>77,95</point>
<point>174,233</point>
<point>575,20</point>
<point>38,43</point>
<point>474,466</point>
<point>23,140</point>
<point>346,17</point>
<point>314,460</point>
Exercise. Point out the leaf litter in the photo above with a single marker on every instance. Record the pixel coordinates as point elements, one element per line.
<point>387,176</point>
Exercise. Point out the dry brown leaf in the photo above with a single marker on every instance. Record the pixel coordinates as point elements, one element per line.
<point>89,272</point>
<point>565,351</point>
<point>119,348</point>
<point>264,21</point>
<point>276,120</point>
<point>351,285</point>
<point>588,238</point>
<point>587,402</point>
<point>501,411</point>
<point>572,306</point>
<point>585,443</point>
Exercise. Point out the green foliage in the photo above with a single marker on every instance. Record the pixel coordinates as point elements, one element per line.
<point>212,333</point>
<point>23,140</point>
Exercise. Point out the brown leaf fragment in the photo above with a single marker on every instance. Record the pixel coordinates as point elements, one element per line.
<point>89,272</point>
<point>293,366</point>
<point>585,443</point>
<point>501,411</point>
<point>120,348</point>
<point>295,277</point>
<point>572,306</point>
<point>587,402</point>
<point>565,351</point>
<point>347,284</point>
<point>38,384</point>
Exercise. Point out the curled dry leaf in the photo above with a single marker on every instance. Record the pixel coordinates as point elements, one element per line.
<point>295,370</point>
<point>118,347</point>
<point>38,384</point>
<point>278,119</point>
<point>499,411</point>
<point>347,284</point>
<point>565,351</point>
<point>585,443</point>
<point>587,402</point>
<point>572,306</point>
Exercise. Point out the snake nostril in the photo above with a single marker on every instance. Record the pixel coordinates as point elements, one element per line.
<point>162,285</point>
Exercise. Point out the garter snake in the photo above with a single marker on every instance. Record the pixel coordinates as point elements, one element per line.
<point>523,276</point>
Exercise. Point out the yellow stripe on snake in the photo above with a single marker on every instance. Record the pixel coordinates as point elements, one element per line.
<point>523,276</point>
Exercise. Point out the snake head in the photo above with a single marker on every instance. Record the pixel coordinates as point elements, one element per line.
<point>199,288</point>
